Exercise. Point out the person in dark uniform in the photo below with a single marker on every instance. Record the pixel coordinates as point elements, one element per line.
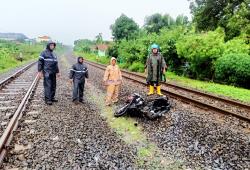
<point>78,73</point>
<point>48,68</point>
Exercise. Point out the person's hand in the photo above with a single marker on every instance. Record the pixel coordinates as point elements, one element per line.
<point>40,74</point>
<point>164,71</point>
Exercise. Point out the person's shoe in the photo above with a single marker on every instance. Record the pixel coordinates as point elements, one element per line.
<point>81,101</point>
<point>75,101</point>
<point>48,102</point>
<point>151,90</point>
<point>54,100</point>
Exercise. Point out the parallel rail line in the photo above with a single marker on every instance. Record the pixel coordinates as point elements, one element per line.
<point>141,79</point>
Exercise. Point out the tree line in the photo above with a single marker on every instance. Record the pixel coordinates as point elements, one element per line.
<point>213,46</point>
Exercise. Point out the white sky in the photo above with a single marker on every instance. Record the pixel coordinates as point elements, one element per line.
<point>68,20</point>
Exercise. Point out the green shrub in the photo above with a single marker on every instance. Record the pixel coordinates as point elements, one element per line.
<point>233,69</point>
<point>201,50</point>
<point>236,46</point>
<point>136,67</point>
<point>123,65</point>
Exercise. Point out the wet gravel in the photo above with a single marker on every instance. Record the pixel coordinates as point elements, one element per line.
<point>67,136</point>
<point>203,139</point>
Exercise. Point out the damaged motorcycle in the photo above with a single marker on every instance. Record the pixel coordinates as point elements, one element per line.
<point>151,108</point>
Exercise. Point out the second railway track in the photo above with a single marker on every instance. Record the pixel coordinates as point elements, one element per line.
<point>198,98</point>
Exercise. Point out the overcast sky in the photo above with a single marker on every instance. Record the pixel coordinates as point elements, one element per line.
<point>68,20</point>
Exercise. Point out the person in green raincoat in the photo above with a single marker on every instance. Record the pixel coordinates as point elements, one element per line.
<point>156,68</point>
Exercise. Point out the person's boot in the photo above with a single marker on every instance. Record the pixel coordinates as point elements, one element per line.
<point>48,102</point>
<point>75,101</point>
<point>54,100</point>
<point>151,90</point>
<point>81,101</point>
<point>158,88</point>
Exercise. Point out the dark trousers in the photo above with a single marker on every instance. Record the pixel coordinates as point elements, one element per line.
<point>49,84</point>
<point>78,90</point>
<point>152,83</point>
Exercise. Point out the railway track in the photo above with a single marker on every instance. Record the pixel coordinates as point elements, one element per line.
<point>15,93</point>
<point>198,98</point>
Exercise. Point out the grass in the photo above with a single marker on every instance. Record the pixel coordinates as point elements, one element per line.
<point>94,57</point>
<point>147,152</point>
<point>9,51</point>
<point>232,92</point>
<point>218,89</point>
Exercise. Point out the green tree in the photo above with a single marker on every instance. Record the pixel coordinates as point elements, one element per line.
<point>99,39</point>
<point>181,20</point>
<point>232,15</point>
<point>83,45</point>
<point>157,21</point>
<point>167,40</point>
<point>201,50</point>
<point>124,28</point>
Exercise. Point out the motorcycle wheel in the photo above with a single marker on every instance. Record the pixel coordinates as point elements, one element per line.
<point>122,111</point>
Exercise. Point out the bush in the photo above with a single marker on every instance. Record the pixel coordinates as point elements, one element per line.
<point>167,41</point>
<point>233,69</point>
<point>201,50</point>
<point>237,45</point>
<point>136,67</point>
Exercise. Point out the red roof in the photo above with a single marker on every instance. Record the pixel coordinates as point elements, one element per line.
<point>102,47</point>
<point>44,37</point>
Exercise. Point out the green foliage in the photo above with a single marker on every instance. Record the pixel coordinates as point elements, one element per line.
<point>201,50</point>
<point>124,28</point>
<point>83,45</point>
<point>232,15</point>
<point>181,20</point>
<point>167,40</point>
<point>237,45</point>
<point>233,69</point>
<point>113,50</point>
<point>99,39</point>
<point>211,87</point>
<point>11,52</point>
<point>223,29</point>
<point>94,57</point>
<point>156,22</point>
<point>239,22</point>
<point>135,50</point>
<point>136,67</point>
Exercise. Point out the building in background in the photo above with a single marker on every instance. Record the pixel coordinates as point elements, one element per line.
<point>43,39</point>
<point>101,49</point>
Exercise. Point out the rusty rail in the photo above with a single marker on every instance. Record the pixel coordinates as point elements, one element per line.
<point>134,77</point>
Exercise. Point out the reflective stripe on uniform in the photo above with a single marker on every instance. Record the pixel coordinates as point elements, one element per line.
<point>47,59</point>
<point>41,57</point>
<point>78,71</point>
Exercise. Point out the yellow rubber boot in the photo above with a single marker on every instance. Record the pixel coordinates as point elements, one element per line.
<point>151,90</point>
<point>158,88</point>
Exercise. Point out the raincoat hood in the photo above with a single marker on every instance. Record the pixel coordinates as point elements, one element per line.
<point>113,58</point>
<point>78,59</point>
<point>48,44</point>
